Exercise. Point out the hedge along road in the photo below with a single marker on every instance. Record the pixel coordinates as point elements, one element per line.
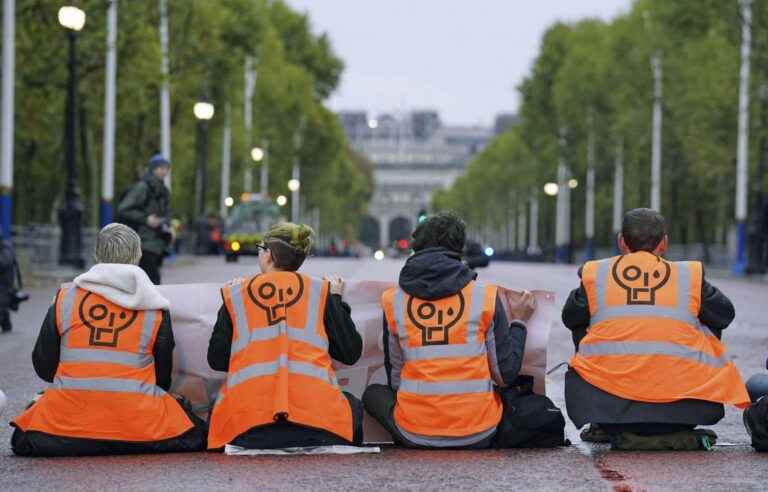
<point>732,464</point>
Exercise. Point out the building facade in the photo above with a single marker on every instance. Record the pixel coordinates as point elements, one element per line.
<point>414,155</point>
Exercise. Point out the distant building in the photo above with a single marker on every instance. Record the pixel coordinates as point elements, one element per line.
<point>504,121</point>
<point>413,155</point>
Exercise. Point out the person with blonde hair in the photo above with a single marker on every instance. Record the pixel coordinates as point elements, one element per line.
<point>106,345</point>
<point>275,336</point>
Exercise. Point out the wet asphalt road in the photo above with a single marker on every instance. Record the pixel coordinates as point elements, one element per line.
<point>731,465</point>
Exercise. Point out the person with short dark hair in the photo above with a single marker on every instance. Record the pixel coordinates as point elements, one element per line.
<point>146,208</point>
<point>275,336</point>
<point>649,365</point>
<point>447,345</point>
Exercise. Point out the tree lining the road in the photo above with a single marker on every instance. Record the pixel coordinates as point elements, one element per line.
<point>603,68</point>
<point>209,40</point>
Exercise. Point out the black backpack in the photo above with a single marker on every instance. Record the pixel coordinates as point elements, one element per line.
<point>756,422</point>
<point>529,420</point>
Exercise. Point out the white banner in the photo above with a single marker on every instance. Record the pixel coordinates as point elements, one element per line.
<point>194,308</point>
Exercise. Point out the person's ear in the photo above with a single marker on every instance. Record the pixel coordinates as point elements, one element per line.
<point>623,248</point>
<point>662,247</point>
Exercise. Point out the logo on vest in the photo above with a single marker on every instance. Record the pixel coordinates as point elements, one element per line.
<point>641,286</point>
<point>275,300</point>
<point>434,322</point>
<point>104,322</point>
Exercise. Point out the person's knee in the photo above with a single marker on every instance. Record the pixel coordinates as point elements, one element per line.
<point>373,395</point>
<point>757,386</point>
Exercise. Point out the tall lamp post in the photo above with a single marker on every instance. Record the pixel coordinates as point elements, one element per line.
<point>742,143</point>
<point>295,182</point>
<point>71,212</point>
<point>203,111</point>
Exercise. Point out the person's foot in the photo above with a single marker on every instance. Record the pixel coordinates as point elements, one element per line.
<point>595,433</point>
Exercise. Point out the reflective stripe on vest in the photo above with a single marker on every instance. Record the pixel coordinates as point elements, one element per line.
<point>308,335</point>
<point>471,348</point>
<point>650,348</point>
<point>678,313</point>
<point>107,384</point>
<point>446,387</point>
<point>271,368</point>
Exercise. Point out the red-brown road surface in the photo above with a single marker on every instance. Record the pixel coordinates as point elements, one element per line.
<point>732,465</point>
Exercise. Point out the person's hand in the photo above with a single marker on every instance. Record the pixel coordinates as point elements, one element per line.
<point>235,281</point>
<point>519,305</point>
<point>337,284</point>
<point>154,221</point>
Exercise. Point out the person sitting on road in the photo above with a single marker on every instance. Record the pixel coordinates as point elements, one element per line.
<point>106,344</point>
<point>446,341</point>
<point>649,365</point>
<point>275,336</point>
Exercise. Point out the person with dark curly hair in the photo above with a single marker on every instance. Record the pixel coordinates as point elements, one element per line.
<point>447,344</point>
<point>275,336</point>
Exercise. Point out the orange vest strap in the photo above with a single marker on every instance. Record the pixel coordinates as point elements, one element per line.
<point>446,387</point>
<point>109,385</point>
<point>66,305</point>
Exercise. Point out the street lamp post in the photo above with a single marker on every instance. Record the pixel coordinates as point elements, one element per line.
<point>563,217</point>
<point>742,143</point>
<point>618,192</point>
<point>589,219</point>
<point>295,182</point>
<point>71,212</point>
<point>203,111</point>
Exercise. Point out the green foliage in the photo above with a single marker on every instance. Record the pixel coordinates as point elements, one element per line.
<point>603,69</point>
<point>209,41</point>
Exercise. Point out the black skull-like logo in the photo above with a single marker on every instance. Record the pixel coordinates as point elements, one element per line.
<point>104,322</point>
<point>641,286</point>
<point>273,300</point>
<point>433,322</point>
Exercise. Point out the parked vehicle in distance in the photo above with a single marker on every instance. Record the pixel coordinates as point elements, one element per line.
<point>245,226</point>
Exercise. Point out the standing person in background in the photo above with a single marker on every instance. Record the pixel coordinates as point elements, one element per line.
<point>10,283</point>
<point>145,208</point>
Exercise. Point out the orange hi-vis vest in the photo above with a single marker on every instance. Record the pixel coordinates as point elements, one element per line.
<point>445,383</point>
<point>279,367</point>
<point>105,386</point>
<point>645,341</point>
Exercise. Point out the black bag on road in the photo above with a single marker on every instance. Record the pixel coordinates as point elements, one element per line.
<point>529,420</point>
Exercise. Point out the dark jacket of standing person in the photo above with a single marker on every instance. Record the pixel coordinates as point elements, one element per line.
<point>8,275</point>
<point>146,209</point>
<point>435,271</point>
<point>587,403</point>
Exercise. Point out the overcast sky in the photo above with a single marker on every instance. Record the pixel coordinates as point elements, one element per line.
<point>464,58</point>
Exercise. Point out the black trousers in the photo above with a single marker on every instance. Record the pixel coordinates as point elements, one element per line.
<point>284,434</point>
<point>646,429</point>
<point>5,319</point>
<point>151,263</point>
<point>40,444</point>
<point>379,401</point>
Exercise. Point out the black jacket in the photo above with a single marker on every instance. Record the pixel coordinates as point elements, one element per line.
<point>45,355</point>
<point>434,273</point>
<point>716,310</point>
<point>344,342</point>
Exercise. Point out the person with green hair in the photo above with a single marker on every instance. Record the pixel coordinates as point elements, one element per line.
<point>275,336</point>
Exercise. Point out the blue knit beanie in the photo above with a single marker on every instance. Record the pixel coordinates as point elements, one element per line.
<point>158,160</point>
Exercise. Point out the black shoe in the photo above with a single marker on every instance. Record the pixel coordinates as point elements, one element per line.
<point>595,433</point>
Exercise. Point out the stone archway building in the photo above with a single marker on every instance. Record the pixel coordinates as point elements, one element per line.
<point>413,155</point>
